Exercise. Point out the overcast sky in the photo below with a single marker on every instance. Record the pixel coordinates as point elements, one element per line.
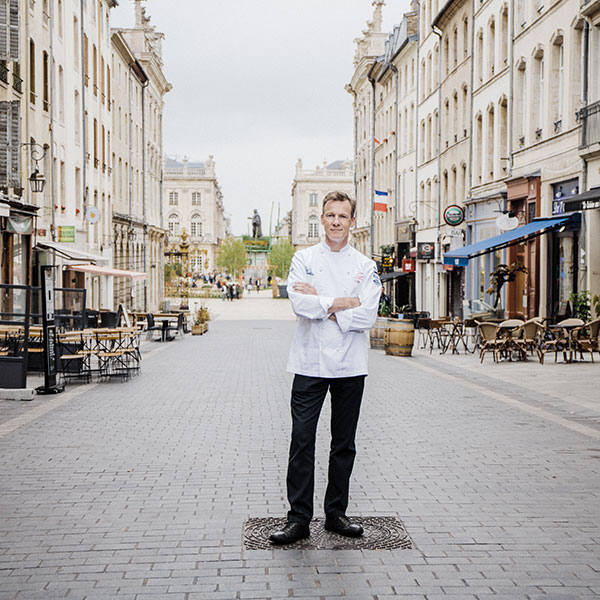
<point>259,84</point>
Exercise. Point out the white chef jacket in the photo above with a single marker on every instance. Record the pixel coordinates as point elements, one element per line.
<point>321,347</point>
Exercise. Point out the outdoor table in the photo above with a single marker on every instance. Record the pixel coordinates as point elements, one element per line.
<point>510,346</point>
<point>165,319</point>
<point>565,330</point>
<point>456,334</point>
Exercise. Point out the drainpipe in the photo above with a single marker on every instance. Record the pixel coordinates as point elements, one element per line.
<point>372,194</point>
<point>83,120</point>
<point>145,219</point>
<point>511,58</point>
<point>582,267</point>
<point>415,125</point>
<point>396,136</point>
<point>438,248</point>
<point>51,99</point>
<point>130,185</point>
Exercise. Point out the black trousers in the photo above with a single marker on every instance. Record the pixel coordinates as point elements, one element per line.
<point>308,395</point>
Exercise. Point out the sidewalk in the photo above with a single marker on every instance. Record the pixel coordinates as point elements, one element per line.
<point>141,489</point>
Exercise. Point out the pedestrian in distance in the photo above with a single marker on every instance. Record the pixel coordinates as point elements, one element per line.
<point>334,291</point>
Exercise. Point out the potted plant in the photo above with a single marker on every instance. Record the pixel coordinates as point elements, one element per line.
<point>503,274</point>
<point>201,319</point>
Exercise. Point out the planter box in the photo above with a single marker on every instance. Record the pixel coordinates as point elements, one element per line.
<point>199,329</point>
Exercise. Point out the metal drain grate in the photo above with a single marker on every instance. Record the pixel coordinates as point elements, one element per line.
<point>381,533</point>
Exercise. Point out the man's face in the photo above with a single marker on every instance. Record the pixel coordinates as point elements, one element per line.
<point>337,220</point>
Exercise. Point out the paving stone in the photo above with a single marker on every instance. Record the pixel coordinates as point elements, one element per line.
<point>141,489</point>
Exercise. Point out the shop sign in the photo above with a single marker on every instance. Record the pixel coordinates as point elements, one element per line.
<point>20,225</point>
<point>408,265</point>
<point>454,215</point>
<point>66,233</point>
<point>402,234</point>
<point>425,250</point>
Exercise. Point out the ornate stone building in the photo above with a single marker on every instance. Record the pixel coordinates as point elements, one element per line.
<point>138,103</point>
<point>193,200</point>
<point>309,188</point>
<point>394,76</point>
<point>362,88</point>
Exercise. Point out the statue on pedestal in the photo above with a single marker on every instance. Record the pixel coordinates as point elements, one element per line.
<point>256,225</point>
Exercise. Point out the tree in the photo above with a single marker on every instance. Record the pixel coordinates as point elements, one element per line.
<point>231,256</point>
<point>280,258</point>
<point>500,275</point>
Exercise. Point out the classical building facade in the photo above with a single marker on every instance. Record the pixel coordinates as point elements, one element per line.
<point>394,214</point>
<point>362,88</point>
<point>193,200</point>
<point>507,116</point>
<point>309,188</point>
<point>454,23</point>
<point>138,104</point>
<point>18,205</point>
<point>589,150</point>
<point>90,113</point>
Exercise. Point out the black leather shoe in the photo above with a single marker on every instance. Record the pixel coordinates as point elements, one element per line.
<point>291,533</point>
<point>343,526</point>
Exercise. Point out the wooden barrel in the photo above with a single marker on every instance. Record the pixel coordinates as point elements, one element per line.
<point>399,337</point>
<point>377,333</point>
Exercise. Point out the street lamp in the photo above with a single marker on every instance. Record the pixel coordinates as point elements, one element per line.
<point>36,180</point>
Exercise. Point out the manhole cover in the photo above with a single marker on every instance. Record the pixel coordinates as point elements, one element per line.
<point>381,533</point>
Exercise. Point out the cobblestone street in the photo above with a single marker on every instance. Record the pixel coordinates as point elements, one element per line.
<point>141,489</point>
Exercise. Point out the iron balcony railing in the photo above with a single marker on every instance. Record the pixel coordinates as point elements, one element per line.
<point>589,117</point>
<point>3,72</point>
<point>17,83</point>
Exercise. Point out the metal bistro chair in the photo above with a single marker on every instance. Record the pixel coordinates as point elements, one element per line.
<point>424,330</point>
<point>178,328</point>
<point>151,326</point>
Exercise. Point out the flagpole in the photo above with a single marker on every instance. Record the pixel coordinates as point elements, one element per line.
<point>372,81</point>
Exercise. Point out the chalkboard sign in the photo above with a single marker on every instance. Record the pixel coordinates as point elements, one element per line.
<point>51,351</point>
<point>49,328</point>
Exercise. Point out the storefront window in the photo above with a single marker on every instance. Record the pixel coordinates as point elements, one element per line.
<point>19,273</point>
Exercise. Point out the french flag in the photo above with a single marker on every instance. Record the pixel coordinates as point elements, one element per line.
<point>380,205</point>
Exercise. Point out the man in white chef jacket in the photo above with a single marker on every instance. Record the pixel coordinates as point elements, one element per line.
<point>334,290</point>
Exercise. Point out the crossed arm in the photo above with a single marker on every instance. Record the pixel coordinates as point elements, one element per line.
<point>339,304</point>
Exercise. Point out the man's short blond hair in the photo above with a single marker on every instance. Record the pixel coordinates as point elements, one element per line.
<point>340,197</point>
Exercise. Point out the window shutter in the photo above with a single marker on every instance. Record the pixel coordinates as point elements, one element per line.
<point>4,111</point>
<point>14,146</point>
<point>4,30</point>
<point>13,27</point>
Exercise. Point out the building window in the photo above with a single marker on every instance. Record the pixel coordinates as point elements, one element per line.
<point>86,59</point>
<point>313,200</point>
<point>46,81</point>
<point>95,68</point>
<point>557,75</point>
<point>195,198</point>
<point>32,71</point>
<point>313,226</point>
<point>196,226</point>
<point>173,225</point>
<point>173,198</point>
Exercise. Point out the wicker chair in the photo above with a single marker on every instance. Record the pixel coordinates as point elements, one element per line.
<point>548,341</point>
<point>529,338</point>
<point>490,342</point>
<point>585,338</point>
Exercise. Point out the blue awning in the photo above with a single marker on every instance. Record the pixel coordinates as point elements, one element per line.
<point>460,256</point>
